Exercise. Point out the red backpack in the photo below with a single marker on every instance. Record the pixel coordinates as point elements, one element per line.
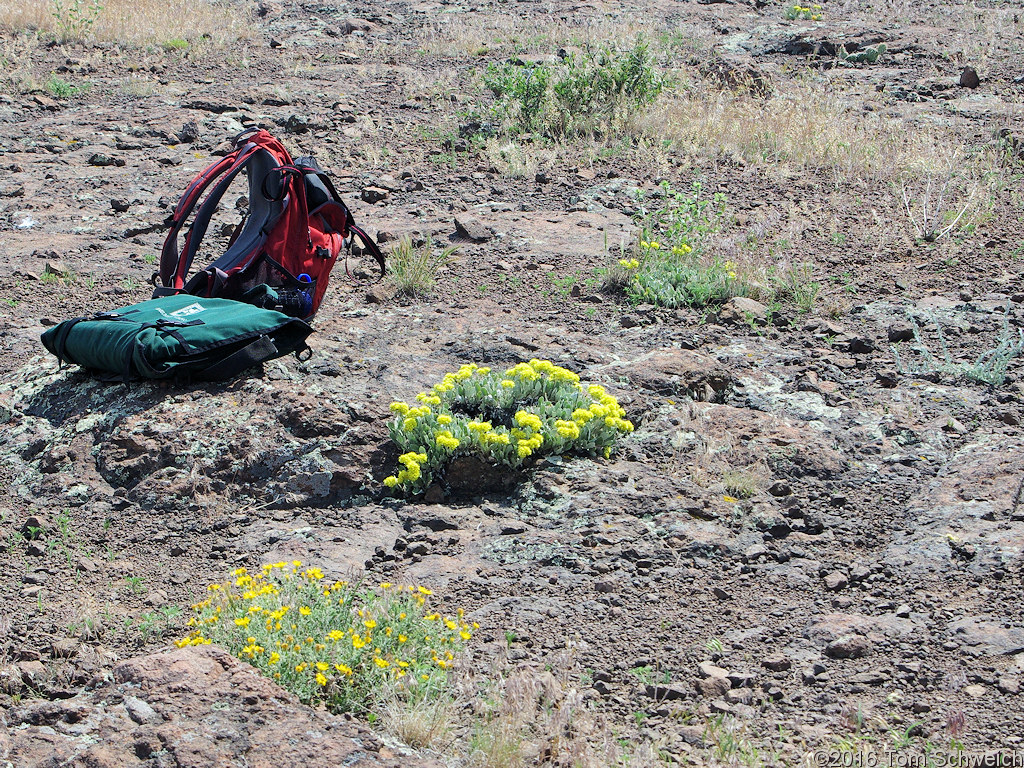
<point>290,239</point>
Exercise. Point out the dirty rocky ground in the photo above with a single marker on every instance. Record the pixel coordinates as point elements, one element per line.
<point>868,588</point>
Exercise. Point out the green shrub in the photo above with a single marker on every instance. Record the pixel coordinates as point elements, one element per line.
<point>587,92</point>
<point>62,89</point>
<point>506,420</point>
<point>600,88</point>
<point>348,647</point>
<point>175,44</point>
<point>685,282</point>
<point>521,92</point>
<point>414,270</point>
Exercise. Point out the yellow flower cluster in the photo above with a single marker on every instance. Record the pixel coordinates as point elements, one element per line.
<point>525,446</point>
<point>446,440</point>
<point>653,245</point>
<point>529,420</point>
<point>543,405</point>
<point>730,269</point>
<point>537,369</point>
<point>412,462</point>
<point>465,372</point>
<point>812,12</point>
<point>629,263</point>
<point>412,415</point>
<point>606,407</point>
<point>342,645</point>
<point>554,372</point>
<point>523,371</point>
<point>681,250</point>
<point>569,430</point>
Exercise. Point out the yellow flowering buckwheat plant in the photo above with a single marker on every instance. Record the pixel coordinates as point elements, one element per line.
<point>508,419</point>
<point>808,12</point>
<point>674,263</point>
<point>347,646</point>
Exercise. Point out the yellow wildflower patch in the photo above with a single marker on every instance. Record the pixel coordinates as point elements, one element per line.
<point>369,638</point>
<point>505,418</point>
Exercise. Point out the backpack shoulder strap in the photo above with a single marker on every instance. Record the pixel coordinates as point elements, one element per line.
<point>175,263</point>
<point>172,269</point>
<point>209,205</point>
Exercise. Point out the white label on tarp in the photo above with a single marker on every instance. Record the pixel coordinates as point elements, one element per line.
<point>191,309</point>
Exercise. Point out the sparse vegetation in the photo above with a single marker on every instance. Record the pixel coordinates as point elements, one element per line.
<point>413,269</point>
<point>155,625</point>
<point>989,367</point>
<point>176,44</point>
<point>803,123</point>
<point>674,264</point>
<point>729,742</point>
<point>806,12</point>
<point>595,90</point>
<point>75,18</point>
<point>868,55</point>
<point>931,214</point>
<point>742,484</point>
<point>62,89</point>
<point>796,283</point>
<point>127,22</point>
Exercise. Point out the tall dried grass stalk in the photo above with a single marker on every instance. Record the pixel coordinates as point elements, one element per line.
<point>139,22</point>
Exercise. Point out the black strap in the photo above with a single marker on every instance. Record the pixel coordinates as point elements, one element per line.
<point>245,134</point>
<point>254,352</point>
<point>160,291</point>
<point>329,185</point>
<point>369,245</point>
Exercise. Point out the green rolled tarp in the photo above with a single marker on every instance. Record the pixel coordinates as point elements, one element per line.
<point>177,336</point>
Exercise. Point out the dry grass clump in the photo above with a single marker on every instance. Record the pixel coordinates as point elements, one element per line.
<point>420,724</point>
<point>514,160</point>
<point>924,180</point>
<point>803,124</point>
<point>413,269</point>
<point>530,717</point>
<point>480,34</point>
<point>137,22</point>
